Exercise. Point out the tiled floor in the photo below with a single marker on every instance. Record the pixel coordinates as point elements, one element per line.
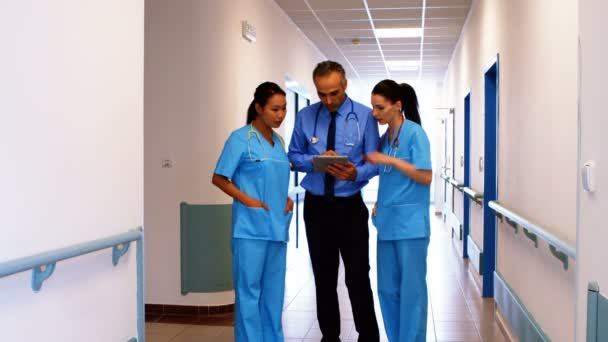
<point>456,309</point>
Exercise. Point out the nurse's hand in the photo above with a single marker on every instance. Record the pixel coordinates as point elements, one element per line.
<point>343,171</point>
<point>253,203</point>
<point>377,158</point>
<point>289,206</point>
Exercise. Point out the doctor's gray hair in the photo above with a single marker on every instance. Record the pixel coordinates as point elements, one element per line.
<point>327,67</point>
<point>261,96</point>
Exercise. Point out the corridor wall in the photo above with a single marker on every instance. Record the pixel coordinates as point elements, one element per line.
<point>71,141</point>
<point>200,79</point>
<point>537,151</point>
<point>592,233</point>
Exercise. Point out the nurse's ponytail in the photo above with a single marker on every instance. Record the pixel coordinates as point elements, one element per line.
<point>262,94</point>
<point>403,92</point>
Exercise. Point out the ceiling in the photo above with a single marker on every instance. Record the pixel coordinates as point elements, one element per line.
<point>333,24</point>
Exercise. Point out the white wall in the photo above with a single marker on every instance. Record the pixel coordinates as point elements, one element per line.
<point>71,141</point>
<point>537,42</point>
<point>592,233</point>
<point>200,79</point>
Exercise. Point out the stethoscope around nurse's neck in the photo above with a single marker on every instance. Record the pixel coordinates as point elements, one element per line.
<point>393,146</point>
<point>351,118</point>
<point>255,132</point>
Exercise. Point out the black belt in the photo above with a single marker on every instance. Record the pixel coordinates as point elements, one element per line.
<point>354,197</point>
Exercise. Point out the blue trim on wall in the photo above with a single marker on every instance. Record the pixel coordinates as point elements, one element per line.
<point>467,175</point>
<point>490,188</point>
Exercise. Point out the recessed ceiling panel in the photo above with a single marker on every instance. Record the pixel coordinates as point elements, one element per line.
<point>448,3</point>
<point>332,15</point>
<point>342,30</point>
<point>441,12</point>
<point>443,22</point>
<point>396,14</point>
<point>401,54</point>
<point>442,31</point>
<point>398,23</point>
<point>291,5</point>
<point>399,41</point>
<point>394,3</point>
<point>319,5</point>
<point>352,34</point>
<point>348,25</point>
<point>301,16</point>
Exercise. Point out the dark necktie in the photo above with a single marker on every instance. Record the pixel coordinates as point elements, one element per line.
<point>331,145</point>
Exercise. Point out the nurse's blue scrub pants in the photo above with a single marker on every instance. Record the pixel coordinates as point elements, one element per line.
<point>258,268</point>
<point>402,288</point>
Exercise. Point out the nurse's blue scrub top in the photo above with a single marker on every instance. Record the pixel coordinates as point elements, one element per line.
<point>403,204</point>
<point>261,171</point>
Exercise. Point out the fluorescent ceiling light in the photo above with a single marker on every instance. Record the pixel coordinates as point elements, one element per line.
<point>399,33</point>
<point>403,65</point>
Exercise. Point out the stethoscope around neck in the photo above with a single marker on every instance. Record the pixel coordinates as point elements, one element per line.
<point>392,146</point>
<point>253,131</point>
<point>351,118</point>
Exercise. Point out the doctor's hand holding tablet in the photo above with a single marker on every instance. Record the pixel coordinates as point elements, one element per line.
<point>336,165</point>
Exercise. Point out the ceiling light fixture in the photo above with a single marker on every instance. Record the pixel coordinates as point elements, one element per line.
<point>422,39</point>
<point>371,23</point>
<point>398,33</point>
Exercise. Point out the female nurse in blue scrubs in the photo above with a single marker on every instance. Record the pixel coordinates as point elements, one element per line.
<point>254,170</point>
<point>401,214</point>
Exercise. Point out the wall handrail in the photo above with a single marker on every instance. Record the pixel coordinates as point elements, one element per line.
<point>558,247</point>
<point>477,197</point>
<point>456,184</point>
<point>43,264</point>
<point>31,262</point>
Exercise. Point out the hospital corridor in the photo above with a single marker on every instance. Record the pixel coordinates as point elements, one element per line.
<point>303,170</point>
<point>457,311</point>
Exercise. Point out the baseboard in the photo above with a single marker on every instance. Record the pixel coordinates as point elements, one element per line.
<point>454,224</point>
<point>188,310</point>
<point>475,254</point>
<point>504,326</point>
<point>520,321</point>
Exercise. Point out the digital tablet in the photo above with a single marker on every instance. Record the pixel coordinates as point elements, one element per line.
<point>320,163</point>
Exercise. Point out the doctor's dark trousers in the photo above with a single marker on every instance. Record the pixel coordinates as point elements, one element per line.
<point>338,227</point>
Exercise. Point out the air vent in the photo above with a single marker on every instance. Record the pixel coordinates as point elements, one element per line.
<point>349,41</point>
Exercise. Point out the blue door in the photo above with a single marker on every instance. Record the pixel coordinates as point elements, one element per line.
<point>490,177</point>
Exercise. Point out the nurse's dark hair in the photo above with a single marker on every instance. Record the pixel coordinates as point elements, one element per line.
<point>403,92</point>
<point>261,96</point>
